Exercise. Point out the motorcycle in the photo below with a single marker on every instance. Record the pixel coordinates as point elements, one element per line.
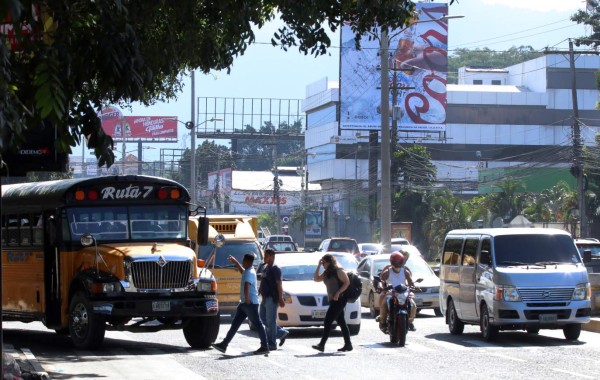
<point>399,307</point>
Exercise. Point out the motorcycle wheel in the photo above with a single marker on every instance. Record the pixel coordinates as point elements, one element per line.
<point>401,329</point>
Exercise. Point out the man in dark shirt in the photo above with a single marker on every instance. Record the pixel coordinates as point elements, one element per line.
<point>271,292</point>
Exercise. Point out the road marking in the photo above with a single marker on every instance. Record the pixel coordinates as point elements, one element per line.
<point>507,357</point>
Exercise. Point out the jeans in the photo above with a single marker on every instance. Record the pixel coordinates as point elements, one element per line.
<point>335,312</point>
<point>251,311</point>
<point>268,314</point>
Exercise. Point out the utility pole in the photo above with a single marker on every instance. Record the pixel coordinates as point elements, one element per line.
<point>193,145</point>
<point>577,169</point>
<point>276,186</point>
<point>386,197</point>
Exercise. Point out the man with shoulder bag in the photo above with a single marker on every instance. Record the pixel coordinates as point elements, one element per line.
<point>271,291</point>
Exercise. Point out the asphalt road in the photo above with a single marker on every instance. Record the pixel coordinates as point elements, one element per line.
<point>431,352</point>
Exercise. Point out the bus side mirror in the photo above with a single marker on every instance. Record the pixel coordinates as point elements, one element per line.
<point>202,235</point>
<point>587,256</point>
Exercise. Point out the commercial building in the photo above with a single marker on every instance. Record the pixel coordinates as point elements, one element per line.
<point>515,121</point>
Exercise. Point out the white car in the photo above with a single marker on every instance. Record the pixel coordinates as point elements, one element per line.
<point>306,301</point>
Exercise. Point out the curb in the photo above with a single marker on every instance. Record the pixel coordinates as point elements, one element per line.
<point>24,364</point>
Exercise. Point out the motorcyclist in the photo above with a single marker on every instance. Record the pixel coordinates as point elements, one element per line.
<point>395,273</point>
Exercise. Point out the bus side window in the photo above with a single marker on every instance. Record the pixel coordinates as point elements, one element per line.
<point>12,237</point>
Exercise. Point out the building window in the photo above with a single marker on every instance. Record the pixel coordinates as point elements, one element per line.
<point>496,82</point>
<point>477,81</point>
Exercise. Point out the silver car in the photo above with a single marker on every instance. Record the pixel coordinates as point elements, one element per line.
<point>427,297</point>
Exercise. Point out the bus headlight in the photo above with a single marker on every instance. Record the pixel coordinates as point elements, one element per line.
<point>105,287</point>
<point>206,286</point>
<point>582,292</point>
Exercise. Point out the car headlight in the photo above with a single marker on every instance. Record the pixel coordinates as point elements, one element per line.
<point>287,298</point>
<point>507,293</point>
<point>582,292</point>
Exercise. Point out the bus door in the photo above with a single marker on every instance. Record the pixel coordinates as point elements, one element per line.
<point>52,270</point>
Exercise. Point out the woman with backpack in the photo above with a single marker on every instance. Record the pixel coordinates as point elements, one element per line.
<point>336,280</point>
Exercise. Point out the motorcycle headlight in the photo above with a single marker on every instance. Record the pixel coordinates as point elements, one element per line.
<point>507,293</point>
<point>582,292</point>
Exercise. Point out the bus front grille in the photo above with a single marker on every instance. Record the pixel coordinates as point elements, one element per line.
<point>151,275</point>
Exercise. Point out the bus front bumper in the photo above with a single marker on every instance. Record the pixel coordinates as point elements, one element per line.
<point>180,307</point>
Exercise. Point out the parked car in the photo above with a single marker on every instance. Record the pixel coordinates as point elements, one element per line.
<point>306,301</point>
<point>340,244</point>
<point>411,249</point>
<point>281,246</point>
<point>592,245</point>
<point>368,249</point>
<point>427,297</point>
<point>400,241</point>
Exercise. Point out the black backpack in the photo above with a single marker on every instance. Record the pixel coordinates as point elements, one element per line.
<point>355,287</point>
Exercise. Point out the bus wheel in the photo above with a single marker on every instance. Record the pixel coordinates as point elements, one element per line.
<point>86,328</point>
<point>202,331</point>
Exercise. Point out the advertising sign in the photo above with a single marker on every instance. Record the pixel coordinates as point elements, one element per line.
<point>135,128</point>
<point>313,221</point>
<point>417,71</point>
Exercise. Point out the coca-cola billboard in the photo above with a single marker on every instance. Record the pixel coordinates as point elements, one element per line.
<point>136,128</point>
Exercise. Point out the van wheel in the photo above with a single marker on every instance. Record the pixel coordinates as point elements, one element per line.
<point>572,331</point>
<point>488,331</point>
<point>455,325</point>
<point>374,312</point>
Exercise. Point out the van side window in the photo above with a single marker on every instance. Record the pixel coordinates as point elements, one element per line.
<point>470,252</point>
<point>485,257</point>
<point>452,250</point>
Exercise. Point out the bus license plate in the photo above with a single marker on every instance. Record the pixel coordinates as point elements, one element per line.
<point>548,318</point>
<point>161,306</point>
<point>319,314</point>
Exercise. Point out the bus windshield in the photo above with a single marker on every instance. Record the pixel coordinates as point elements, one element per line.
<point>127,223</point>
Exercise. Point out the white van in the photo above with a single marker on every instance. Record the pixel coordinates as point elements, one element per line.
<point>513,279</point>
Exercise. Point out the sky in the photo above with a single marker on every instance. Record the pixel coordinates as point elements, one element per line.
<point>265,71</point>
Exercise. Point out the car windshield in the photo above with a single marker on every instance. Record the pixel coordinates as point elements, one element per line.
<point>296,272</point>
<point>282,246</point>
<point>511,250</point>
<point>348,262</point>
<point>343,246</point>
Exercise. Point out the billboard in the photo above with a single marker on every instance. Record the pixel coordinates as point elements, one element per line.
<point>418,62</point>
<point>136,128</point>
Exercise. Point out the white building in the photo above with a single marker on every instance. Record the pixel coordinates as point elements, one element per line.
<point>516,121</point>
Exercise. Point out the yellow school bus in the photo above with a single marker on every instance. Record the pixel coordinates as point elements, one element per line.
<point>239,233</point>
<point>108,253</point>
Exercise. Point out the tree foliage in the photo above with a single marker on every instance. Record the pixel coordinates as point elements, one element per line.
<point>487,58</point>
<point>414,167</point>
<point>77,56</point>
<point>589,18</point>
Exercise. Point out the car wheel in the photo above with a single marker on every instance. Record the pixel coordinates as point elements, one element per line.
<point>455,325</point>
<point>488,331</point>
<point>572,331</point>
<point>354,329</point>
<point>374,312</point>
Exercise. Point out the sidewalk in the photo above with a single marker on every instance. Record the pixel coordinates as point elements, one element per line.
<point>21,364</point>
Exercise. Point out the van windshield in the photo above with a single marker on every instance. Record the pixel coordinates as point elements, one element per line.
<point>536,249</point>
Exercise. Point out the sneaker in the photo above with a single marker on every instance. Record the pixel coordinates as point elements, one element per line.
<point>283,337</point>
<point>220,347</point>
<point>262,350</point>
<point>412,327</point>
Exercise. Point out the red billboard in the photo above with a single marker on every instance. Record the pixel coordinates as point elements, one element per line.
<point>136,128</point>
